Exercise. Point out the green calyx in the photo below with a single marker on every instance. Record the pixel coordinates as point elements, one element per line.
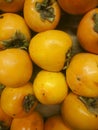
<point>68,58</point>
<point>3,126</point>
<point>95,18</point>
<point>18,40</point>
<point>91,104</point>
<point>1,88</point>
<point>46,10</point>
<point>28,102</point>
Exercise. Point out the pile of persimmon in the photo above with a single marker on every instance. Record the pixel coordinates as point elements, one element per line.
<point>48,65</point>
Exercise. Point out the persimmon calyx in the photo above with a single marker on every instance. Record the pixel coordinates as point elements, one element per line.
<point>91,104</point>
<point>95,18</point>
<point>68,58</point>
<point>18,40</point>
<point>1,88</point>
<point>28,102</point>
<point>46,10</point>
<point>3,126</point>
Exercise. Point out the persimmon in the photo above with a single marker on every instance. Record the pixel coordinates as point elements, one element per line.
<point>14,31</point>
<point>87,31</point>
<point>34,121</point>
<point>81,113</point>
<point>16,67</point>
<point>11,5</point>
<point>77,7</point>
<point>56,122</point>
<point>82,74</point>
<point>41,15</point>
<point>50,87</point>
<point>18,102</point>
<point>49,49</point>
<point>5,119</point>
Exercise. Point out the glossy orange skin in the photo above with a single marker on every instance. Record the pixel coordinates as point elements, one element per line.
<point>44,85</point>
<point>55,122</point>
<point>77,7</point>
<point>34,20</point>
<point>87,36</point>
<point>13,6</point>
<point>10,23</point>
<point>32,122</point>
<point>5,118</point>
<point>75,113</point>
<point>16,67</point>
<point>82,74</point>
<point>12,100</point>
<point>48,49</point>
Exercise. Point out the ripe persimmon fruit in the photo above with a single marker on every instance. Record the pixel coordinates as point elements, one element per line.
<point>77,7</point>
<point>87,32</point>
<point>34,121</point>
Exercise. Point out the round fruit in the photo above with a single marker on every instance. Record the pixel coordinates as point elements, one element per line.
<point>56,123</point>
<point>32,122</point>
<point>87,31</point>
<point>82,74</point>
<point>41,15</point>
<point>14,31</point>
<point>5,119</point>
<point>11,5</point>
<point>19,101</point>
<point>15,67</point>
<point>77,115</point>
<point>49,49</point>
<point>77,7</point>
<point>50,87</point>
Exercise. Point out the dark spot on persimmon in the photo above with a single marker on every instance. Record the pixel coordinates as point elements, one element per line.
<point>1,16</point>
<point>43,94</point>
<point>78,78</point>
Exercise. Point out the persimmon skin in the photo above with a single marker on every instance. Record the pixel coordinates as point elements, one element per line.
<point>87,36</point>
<point>16,67</point>
<point>76,114</point>
<point>77,7</point>
<point>12,7</point>
<point>5,118</point>
<point>56,122</point>
<point>82,74</point>
<point>34,121</point>
<point>34,20</point>
<point>10,23</point>
<point>48,49</point>
<point>13,99</point>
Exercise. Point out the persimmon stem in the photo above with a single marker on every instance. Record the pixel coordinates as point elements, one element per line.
<point>1,88</point>
<point>46,10</point>
<point>28,102</point>
<point>91,104</point>
<point>95,18</point>
<point>18,40</point>
<point>68,58</point>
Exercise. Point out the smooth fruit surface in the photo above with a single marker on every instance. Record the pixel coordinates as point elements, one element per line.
<point>50,87</point>
<point>15,67</point>
<point>77,115</point>
<point>49,49</point>
<point>82,74</point>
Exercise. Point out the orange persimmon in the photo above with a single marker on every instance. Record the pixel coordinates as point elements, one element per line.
<point>77,7</point>
<point>11,5</point>
<point>5,120</point>
<point>34,121</point>
<point>87,32</point>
